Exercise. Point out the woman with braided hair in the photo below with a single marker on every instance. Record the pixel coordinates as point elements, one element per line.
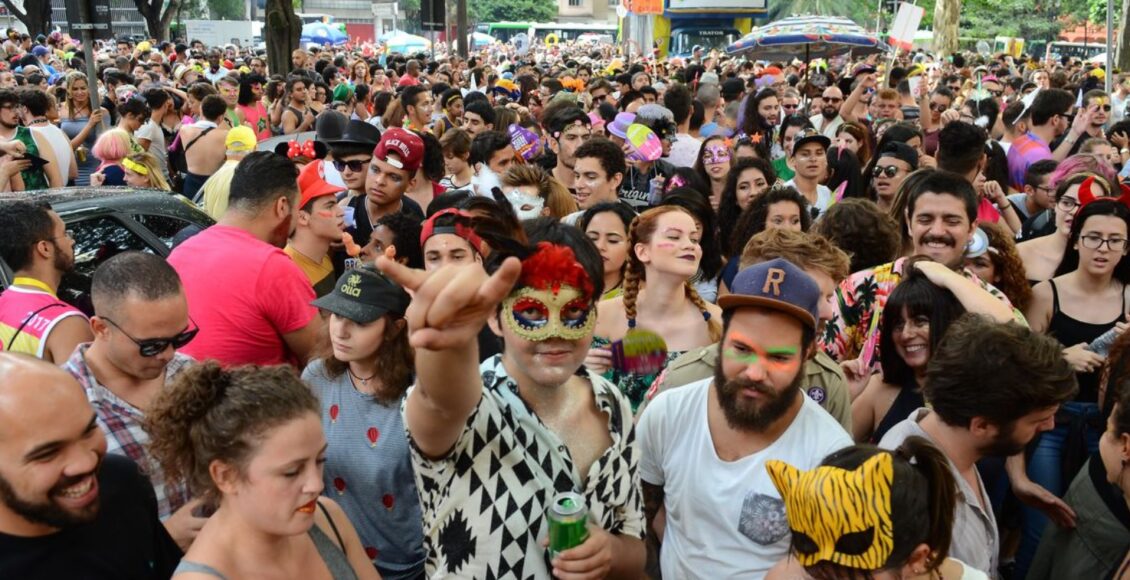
<point>658,296</point>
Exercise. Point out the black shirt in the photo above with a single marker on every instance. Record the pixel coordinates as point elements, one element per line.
<point>125,541</point>
<point>362,230</point>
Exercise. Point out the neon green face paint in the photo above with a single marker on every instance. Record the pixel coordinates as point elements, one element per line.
<point>747,352</point>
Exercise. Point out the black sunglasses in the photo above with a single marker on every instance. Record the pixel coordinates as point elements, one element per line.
<point>355,165</point>
<point>155,346</point>
<point>889,170</point>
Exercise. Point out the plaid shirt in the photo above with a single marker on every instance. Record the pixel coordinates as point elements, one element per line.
<point>121,422</point>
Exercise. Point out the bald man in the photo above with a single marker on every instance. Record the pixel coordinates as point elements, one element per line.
<point>68,510</point>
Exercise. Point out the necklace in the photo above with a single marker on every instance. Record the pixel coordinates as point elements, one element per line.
<point>363,380</point>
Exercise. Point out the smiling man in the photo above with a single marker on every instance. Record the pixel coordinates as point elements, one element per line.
<point>68,510</point>
<point>941,215</point>
<point>704,446</point>
<point>597,173</point>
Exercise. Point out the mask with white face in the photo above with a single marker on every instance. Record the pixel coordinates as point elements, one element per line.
<point>527,206</point>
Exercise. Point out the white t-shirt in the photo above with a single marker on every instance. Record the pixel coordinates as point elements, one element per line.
<point>60,145</point>
<point>823,197</point>
<point>684,151</point>
<point>724,519</point>
<point>152,131</point>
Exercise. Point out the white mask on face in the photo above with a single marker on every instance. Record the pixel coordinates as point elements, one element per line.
<point>527,206</point>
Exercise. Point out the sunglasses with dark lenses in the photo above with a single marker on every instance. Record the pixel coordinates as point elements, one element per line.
<point>155,346</point>
<point>1105,108</point>
<point>889,171</point>
<point>355,165</point>
<point>938,107</point>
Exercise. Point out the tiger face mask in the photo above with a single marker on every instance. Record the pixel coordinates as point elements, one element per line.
<point>836,515</point>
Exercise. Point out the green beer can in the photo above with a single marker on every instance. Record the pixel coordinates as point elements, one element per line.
<point>568,522</point>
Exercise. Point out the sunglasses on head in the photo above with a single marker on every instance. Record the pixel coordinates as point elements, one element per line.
<point>155,346</point>
<point>354,165</point>
<point>889,171</point>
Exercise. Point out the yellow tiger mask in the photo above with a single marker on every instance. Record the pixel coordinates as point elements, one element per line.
<point>836,515</point>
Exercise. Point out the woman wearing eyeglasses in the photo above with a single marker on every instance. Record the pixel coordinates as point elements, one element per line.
<point>1042,256</point>
<point>1088,297</point>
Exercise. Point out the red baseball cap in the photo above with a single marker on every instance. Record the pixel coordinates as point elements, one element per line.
<point>312,183</point>
<point>407,146</point>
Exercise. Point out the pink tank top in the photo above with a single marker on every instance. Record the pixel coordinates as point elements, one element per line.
<point>33,313</point>
<point>255,116</point>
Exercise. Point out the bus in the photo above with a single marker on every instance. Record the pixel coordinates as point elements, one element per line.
<point>504,31</point>
<point>571,31</point>
<point>1078,50</point>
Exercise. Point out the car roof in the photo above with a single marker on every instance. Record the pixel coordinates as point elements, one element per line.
<point>69,199</point>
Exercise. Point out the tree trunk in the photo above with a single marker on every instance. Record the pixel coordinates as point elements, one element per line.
<point>36,15</point>
<point>1123,61</point>
<point>281,33</point>
<point>946,16</point>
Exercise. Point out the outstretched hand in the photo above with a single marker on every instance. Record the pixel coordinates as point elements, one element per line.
<point>450,305</point>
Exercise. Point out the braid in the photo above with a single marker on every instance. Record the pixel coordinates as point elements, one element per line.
<point>633,272</point>
<point>712,323</point>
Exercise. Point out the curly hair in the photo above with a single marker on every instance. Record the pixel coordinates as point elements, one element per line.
<point>861,229</point>
<point>640,232</point>
<point>405,236</point>
<point>1008,266</point>
<point>754,218</point>
<point>210,413</point>
<point>728,209</point>
<point>804,249</point>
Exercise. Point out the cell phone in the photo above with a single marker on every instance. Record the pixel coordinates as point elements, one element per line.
<point>36,161</point>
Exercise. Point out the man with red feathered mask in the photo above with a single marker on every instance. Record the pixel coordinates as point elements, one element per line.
<point>493,444</point>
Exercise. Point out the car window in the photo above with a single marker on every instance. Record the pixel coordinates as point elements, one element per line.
<point>162,226</point>
<point>96,240</point>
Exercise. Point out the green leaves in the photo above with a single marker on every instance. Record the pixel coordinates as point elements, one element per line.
<point>514,10</point>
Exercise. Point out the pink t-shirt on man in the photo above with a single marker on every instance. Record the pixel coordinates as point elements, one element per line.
<point>244,294</point>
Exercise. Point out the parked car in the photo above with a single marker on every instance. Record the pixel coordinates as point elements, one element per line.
<point>105,221</point>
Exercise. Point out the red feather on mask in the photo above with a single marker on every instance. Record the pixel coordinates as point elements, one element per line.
<point>553,266</point>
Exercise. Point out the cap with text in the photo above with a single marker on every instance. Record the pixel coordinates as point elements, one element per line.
<point>406,148</point>
<point>776,285</point>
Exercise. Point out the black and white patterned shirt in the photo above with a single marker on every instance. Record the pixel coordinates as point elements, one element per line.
<point>484,503</point>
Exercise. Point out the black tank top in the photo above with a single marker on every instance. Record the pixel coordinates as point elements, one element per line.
<point>1071,332</point>
<point>908,399</point>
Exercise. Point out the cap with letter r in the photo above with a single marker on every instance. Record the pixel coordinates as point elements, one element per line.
<point>776,285</point>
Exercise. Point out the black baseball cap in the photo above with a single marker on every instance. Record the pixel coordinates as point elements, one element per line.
<point>363,296</point>
<point>901,151</point>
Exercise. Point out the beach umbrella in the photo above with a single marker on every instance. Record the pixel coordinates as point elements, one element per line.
<point>806,37</point>
<point>321,34</point>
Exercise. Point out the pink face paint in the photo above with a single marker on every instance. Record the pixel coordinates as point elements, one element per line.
<point>324,213</point>
<point>665,245</point>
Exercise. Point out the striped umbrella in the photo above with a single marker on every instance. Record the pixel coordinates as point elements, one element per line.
<point>807,37</point>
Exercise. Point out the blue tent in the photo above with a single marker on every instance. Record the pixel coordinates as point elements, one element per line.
<point>322,34</point>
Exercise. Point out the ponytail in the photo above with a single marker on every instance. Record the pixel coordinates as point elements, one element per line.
<point>941,494</point>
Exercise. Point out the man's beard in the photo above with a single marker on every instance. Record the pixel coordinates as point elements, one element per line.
<point>63,263</point>
<point>8,125</point>
<point>49,513</point>
<point>1004,445</point>
<point>830,113</point>
<point>754,416</point>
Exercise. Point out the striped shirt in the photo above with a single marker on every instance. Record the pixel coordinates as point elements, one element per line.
<point>121,422</point>
<point>976,540</point>
<point>1025,150</point>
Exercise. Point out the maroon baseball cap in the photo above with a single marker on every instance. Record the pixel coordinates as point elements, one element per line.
<point>406,146</point>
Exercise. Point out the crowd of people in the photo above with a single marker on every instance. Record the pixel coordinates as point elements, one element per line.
<point>856,317</point>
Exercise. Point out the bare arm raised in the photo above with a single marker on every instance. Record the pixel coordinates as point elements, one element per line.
<point>449,307</point>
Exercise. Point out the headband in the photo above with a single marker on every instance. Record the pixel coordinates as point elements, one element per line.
<point>462,230</point>
<point>450,98</point>
<point>1086,196</point>
<point>134,166</point>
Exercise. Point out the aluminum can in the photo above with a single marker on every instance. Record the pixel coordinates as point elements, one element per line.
<point>568,522</point>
